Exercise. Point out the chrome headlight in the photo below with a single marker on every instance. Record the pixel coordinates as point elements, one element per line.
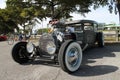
<point>30,47</point>
<point>51,47</point>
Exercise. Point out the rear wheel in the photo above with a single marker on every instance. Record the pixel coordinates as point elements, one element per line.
<point>70,56</point>
<point>19,53</point>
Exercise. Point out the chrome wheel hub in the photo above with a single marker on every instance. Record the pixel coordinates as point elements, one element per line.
<point>73,57</point>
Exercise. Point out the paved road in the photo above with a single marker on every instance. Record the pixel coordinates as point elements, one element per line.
<point>98,64</point>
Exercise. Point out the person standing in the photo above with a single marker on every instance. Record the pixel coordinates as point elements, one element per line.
<point>20,37</point>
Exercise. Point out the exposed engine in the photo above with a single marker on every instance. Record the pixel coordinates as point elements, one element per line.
<point>49,43</point>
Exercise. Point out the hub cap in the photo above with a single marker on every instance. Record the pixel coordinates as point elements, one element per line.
<point>73,58</point>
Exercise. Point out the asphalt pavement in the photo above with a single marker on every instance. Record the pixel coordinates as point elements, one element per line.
<point>98,64</point>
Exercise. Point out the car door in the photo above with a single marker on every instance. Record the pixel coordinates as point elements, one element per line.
<point>89,34</point>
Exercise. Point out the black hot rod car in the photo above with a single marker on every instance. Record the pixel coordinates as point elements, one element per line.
<point>65,44</point>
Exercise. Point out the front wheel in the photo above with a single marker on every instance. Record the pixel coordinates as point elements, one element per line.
<point>19,53</point>
<point>70,56</point>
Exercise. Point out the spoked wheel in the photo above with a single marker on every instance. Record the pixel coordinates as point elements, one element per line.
<point>70,56</point>
<point>19,53</point>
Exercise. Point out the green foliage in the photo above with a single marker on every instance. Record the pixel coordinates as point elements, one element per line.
<point>28,9</point>
<point>59,8</point>
<point>25,11</point>
<point>6,23</point>
<point>44,30</point>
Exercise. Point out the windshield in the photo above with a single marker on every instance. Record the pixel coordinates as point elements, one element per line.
<point>77,27</point>
<point>58,27</point>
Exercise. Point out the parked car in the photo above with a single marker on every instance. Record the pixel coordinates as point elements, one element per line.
<point>3,37</point>
<point>64,44</point>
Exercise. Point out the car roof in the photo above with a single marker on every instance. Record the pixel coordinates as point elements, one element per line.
<point>79,21</point>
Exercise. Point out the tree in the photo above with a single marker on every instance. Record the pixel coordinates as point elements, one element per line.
<point>25,11</point>
<point>118,7</point>
<point>6,24</point>
<point>63,8</point>
<point>22,12</point>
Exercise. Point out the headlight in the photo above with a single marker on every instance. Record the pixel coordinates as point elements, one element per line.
<point>51,47</point>
<point>30,47</point>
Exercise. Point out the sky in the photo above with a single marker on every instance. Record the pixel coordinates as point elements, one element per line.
<point>101,15</point>
<point>2,3</point>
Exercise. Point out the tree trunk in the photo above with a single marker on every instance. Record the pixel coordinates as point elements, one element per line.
<point>52,9</point>
<point>24,32</point>
<point>118,7</point>
<point>24,29</point>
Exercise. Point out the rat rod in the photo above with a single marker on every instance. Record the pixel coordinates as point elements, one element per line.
<point>63,44</point>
